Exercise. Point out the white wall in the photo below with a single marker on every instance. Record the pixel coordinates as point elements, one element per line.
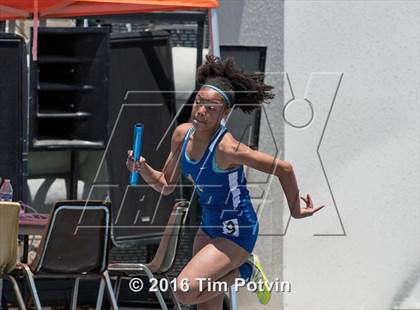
<point>367,256</point>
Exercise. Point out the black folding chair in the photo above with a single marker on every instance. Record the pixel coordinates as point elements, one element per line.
<point>75,245</point>
<point>163,260</point>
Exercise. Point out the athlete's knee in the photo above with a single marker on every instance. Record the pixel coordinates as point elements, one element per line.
<point>186,297</point>
<point>186,292</point>
<point>211,304</point>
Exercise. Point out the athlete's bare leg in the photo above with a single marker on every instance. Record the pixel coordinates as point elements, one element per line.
<point>217,260</point>
<point>202,239</point>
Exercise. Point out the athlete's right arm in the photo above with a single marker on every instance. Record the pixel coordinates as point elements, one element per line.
<point>162,181</point>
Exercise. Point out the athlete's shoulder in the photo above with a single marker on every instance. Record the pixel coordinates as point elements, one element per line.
<point>180,132</point>
<point>228,145</point>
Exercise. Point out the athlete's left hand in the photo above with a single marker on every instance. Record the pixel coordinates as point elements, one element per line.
<point>309,210</point>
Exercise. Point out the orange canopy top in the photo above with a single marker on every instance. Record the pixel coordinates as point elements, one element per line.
<point>22,9</point>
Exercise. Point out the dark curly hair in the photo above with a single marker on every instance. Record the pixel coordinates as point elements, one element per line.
<point>248,91</point>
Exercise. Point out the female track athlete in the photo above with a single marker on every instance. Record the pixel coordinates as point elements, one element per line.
<point>206,153</point>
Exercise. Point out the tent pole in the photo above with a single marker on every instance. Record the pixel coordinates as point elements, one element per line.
<point>35,32</point>
<point>214,32</point>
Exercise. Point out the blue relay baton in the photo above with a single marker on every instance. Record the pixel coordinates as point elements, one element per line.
<point>138,137</point>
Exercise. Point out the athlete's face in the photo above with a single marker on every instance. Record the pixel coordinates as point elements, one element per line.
<point>208,109</point>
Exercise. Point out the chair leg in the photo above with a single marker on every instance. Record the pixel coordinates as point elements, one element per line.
<point>32,287</point>
<point>101,292</point>
<point>109,290</point>
<point>18,294</point>
<point>157,292</point>
<point>173,297</point>
<point>117,287</point>
<point>74,295</point>
<point>233,298</point>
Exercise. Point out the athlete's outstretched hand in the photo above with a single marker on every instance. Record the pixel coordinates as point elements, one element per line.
<point>133,165</point>
<point>310,209</point>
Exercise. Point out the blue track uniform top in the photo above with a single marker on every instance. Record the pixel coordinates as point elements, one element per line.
<point>223,195</point>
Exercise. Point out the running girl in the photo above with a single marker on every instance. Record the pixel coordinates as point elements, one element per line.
<point>205,152</point>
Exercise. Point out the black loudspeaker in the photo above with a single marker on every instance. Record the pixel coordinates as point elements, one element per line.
<point>13,105</point>
<point>69,88</point>
<point>141,90</point>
